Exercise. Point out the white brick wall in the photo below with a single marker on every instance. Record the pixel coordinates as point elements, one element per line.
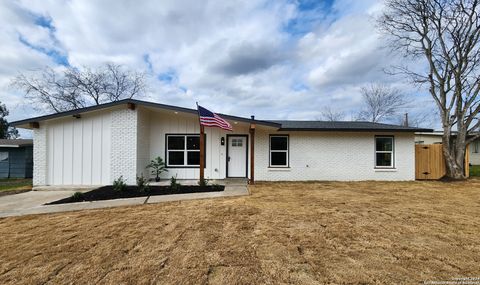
<point>335,156</point>
<point>40,156</point>
<point>124,145</point>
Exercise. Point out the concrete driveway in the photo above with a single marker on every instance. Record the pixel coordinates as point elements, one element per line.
<point>32,202</point>
<point>29,202</point>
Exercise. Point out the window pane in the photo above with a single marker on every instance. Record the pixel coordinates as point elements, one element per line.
<point>175,142</point>
<point>193,142</point>
<point>384,144</point>
<point>237,142</point>
<point>278,143</point>
<point>384,159</point>
<point>193,158</point>
<point>175,158</point>
<point>278,158</point>
<point>3,156</point>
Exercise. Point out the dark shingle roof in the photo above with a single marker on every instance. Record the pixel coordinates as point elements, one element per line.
<point>354,126</point>
<point>22,123</point>
<point>16,142</point>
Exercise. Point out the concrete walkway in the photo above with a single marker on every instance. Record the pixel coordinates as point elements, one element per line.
<point>33,202</point>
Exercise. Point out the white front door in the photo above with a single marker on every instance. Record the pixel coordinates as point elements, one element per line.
<point>237,156</point>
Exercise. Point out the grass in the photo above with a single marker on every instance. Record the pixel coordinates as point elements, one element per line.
<point>475,170</point>
<point>301,233</point>
<point>7,184</point>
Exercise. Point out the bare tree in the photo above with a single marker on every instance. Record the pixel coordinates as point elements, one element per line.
<point>73,88</point>
<point>328,114</point>
<point>381,102</point>
<point>445,35</point>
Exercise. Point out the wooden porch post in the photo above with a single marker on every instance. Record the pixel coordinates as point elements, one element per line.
<point>252,153</point>
<point>202,150</point>
<point>202,154</point>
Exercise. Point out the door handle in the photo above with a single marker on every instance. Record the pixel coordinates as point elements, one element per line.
<point>228,159</point>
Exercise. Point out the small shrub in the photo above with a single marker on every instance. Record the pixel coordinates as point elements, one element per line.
<point>203,182</point>
<point>174,185</point>
<point>158,166</point>
<point>78,196</point>
<point>142,184</point>
<point>119,184</point>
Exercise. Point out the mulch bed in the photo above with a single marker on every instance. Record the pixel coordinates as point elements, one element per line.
<point>108,193</point>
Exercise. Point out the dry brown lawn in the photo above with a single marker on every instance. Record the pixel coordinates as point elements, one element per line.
<point>296,233</point>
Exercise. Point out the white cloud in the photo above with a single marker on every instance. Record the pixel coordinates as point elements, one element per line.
<point>238,57</point>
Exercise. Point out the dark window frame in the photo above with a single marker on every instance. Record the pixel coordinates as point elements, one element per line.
<point>185,151</point>
<point>392,166</point>
<point>270,151</point>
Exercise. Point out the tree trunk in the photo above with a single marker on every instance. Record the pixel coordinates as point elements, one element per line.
<point>455,170</point>
<point>454,153</point>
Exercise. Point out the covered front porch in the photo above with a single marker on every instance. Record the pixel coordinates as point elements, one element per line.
<point>175,137</point>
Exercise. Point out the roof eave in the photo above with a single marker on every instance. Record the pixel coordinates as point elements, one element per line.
<point>23,123</point>
<point>352,130</point>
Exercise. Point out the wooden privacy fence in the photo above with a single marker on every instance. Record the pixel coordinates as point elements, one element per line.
<point>430,162</point>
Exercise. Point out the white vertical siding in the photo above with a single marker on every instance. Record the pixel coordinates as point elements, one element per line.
<point>68,151</point>
<point>77,173</point>
<point>143,141</point>
<point>79,150</point>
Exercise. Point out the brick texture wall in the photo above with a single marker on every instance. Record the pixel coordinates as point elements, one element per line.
<point>335,156</point>
<point>40,155</point>
<point>124,145</point>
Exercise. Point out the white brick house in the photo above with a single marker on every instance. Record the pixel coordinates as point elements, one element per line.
<point>95,145</point>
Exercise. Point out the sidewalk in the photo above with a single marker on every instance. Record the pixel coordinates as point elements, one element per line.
<point>32,202</point>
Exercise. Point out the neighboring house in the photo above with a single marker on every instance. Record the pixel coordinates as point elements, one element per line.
<point>436,137</point>
<point>16,158</point>
<point>95,145</point>
<point>428,137</point>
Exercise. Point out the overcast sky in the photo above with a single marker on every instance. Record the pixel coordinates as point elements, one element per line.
<point>274,59</point>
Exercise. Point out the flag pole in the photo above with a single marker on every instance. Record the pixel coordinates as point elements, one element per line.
<point>202,150</point>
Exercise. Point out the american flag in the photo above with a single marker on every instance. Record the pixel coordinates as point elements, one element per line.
<point>210,119</point>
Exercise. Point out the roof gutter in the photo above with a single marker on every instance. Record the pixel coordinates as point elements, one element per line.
<point>352,130</point>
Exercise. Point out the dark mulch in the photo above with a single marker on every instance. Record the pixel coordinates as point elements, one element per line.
<point>107,193</point>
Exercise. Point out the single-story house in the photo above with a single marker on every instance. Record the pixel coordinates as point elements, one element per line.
<point>95,145</point>
<point>16,158</point>
<point>436,138</point>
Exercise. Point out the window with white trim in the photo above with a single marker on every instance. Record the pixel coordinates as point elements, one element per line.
<point>183,150</point>
<point>279,151</point>
<point>384,152</point>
